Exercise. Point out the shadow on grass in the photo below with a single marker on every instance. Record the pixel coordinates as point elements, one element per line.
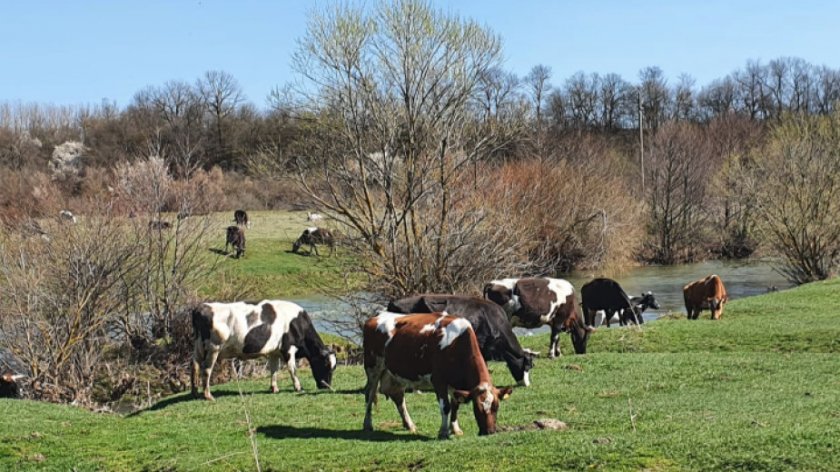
<point>288,432</point>
<point>218,251</point>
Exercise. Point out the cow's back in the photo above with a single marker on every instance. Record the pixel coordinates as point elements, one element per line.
<point>602,293</point>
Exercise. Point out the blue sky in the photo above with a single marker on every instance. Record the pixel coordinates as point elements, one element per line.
<point>67,52</point>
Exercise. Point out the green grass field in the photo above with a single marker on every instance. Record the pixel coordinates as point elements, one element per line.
<point>758,390</point>
<point>269,269</point>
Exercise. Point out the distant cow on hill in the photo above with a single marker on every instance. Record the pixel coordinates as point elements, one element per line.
<point>240,217</point>
<point>8,385</point>
<point>159,225</point>
<point>67,215</point>
<point>705,294</point>
<point>235,238</point>
<point>312,237</point>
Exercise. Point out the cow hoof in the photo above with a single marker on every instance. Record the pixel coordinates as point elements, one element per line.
<point>274,389</point>
<point>209,397</point>
<point>194,393</point>
<point>442,435</point>
<point>367,427</point>
<point>457,432</point>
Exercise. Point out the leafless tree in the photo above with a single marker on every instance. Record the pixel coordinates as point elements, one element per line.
<point>678,174</point>
<point>582,93</point>
<point>684,103</point>
<point>393,88</point>
<point>797,195</point>
<point>221,95</point>
<point>655,96</point>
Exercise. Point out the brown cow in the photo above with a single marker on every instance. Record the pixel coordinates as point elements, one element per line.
<point>429,351</point>
<point>705,294</point>
<point>235,238</point>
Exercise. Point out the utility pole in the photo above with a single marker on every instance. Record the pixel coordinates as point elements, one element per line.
<point>641,142</point>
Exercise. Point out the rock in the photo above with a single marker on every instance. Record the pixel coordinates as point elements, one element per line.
<point>551,424</point>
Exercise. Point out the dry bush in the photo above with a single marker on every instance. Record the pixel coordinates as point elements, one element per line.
<point>569,216</point>
<point>25,195</point>
<point>795,181</point>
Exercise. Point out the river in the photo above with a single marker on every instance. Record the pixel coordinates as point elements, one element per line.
<point>742,279</point>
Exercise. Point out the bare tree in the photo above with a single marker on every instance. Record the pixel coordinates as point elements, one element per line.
<point>797,195</point>
<point>684,103</point>
<point>678,173</point>
<point>393,88</point>
<point>655,96</point>
<point>539,85</point>
<point>221,95</point>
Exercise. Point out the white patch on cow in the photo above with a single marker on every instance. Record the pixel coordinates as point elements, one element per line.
<point>452,331</point>
<point>562,289</point>
<point>526,379</point>
<point>333,361</point>
<point>427,328</point>
<point>513,305</point>
<point>292,352</point>
<point>386,322</point>
<point>488,399</point>
<point>312,229</point>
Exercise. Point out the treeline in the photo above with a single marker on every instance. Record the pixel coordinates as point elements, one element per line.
<point>686,187</point>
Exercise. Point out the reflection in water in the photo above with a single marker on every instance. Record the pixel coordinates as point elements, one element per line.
<point>742,279</point>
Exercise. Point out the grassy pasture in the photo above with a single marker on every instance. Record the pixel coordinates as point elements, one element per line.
<point>758,390</point>
<point>269,269</point>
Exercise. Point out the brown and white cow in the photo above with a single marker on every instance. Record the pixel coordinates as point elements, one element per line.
<point>312,237</point>
<point>705,294</point>
<point>271,328</point>
<point>536,301</point>
<point>429,351</point>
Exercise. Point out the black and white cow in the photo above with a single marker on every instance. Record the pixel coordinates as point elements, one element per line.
<point>492,328</point>
<point>641,304</point>
<point>235,238</point>
<point>312,237</point>
<point>606,295</point>
<point>271,328</point>
<point>536,301</point>
<point>240,217</point>
<point>9,387</point>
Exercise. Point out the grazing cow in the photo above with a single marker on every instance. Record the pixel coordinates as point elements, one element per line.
<point>235,238</point>
<point>314,236</point>
<point>159,225</point>
<point>240,217</point>
<point>606,295</point>
<point>314,217</point>
<point>705,294</point>
<point>489,322</point>
<point>536,301</point>
<point>8,385</point>
<point>67,215</point>
<point>641,304</point>
<point>271,328</point>
<point>429,351</point>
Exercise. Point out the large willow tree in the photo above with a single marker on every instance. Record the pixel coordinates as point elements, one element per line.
<point>393,93</point>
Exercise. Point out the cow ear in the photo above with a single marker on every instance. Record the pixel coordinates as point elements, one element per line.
<point>461,396</point>
<point>504,393</point>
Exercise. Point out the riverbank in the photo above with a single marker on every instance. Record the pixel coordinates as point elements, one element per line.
<point>757,390</point>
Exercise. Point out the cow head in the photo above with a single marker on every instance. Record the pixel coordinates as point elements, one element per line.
<point>649,301</point>
<point>323,365</point>
<point>485,399</point>
<point>520,367</point>
<point>580,336</point>
<point>502,296</point>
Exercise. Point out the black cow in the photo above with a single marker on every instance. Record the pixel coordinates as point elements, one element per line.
<point>606,295</point>
<point>492,328</point>
<point>536,301</point>
<point>240,217</point>
<point>235,238</point>
<point>8,385</point>
<point>312,237</point>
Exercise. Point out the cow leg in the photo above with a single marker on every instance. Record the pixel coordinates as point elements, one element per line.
<point>291,364</point>
<point>396,392</point>
<point>456,429</point>
<point>273,366</point>
<point>315,249</point>
<point>195,374</point>
<point>209,361</point>
<point>554,344</point>
<point>373,376</point>
<point>445,410</point>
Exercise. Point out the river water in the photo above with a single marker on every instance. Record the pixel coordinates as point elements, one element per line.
<point>741,278</point>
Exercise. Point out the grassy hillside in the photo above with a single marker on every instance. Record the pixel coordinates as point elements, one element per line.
<point>758,390</point>
<point>269,269</point>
